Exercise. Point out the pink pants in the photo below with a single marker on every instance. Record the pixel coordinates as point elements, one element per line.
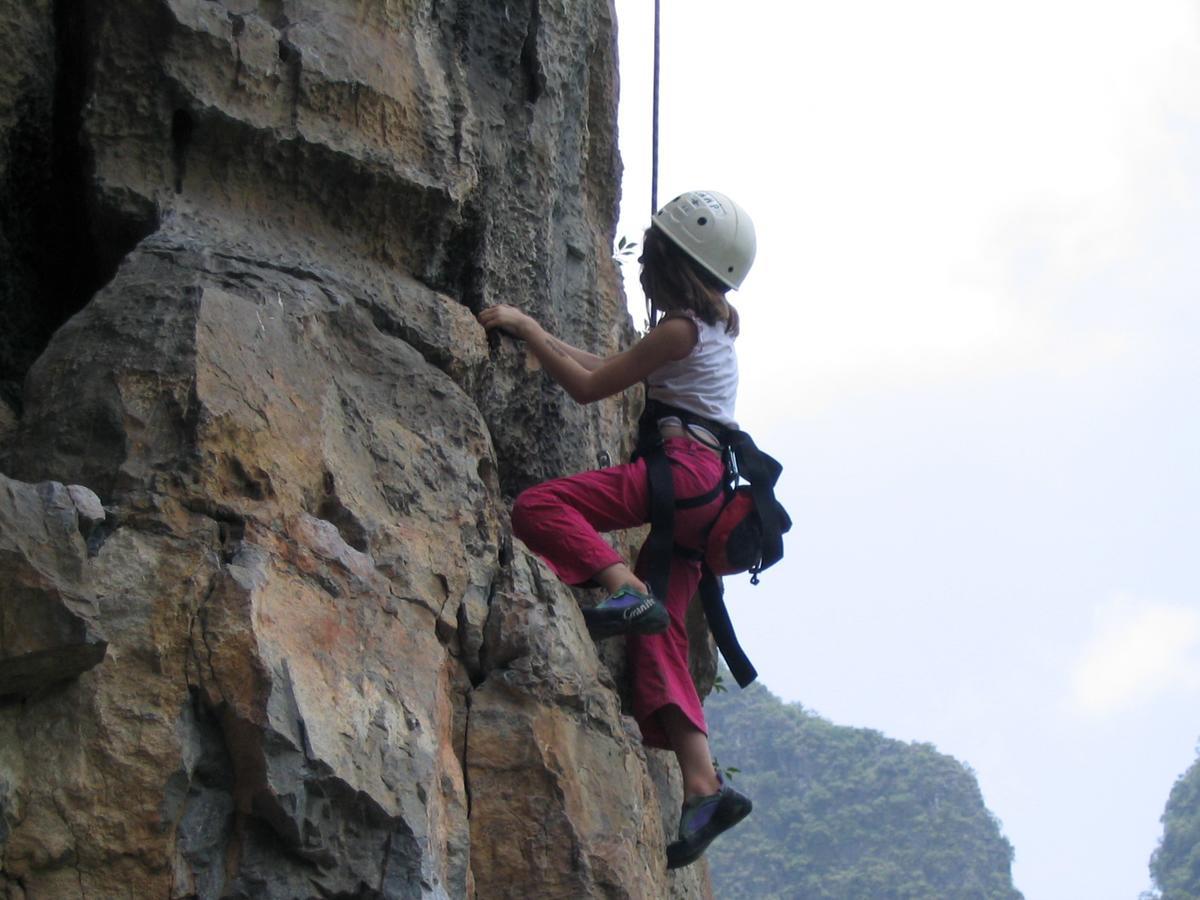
<point>560,520</point>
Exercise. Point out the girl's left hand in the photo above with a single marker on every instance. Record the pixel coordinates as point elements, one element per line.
<point>507,318</point>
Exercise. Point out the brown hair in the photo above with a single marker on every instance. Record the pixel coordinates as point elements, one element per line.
<point>672,281</point>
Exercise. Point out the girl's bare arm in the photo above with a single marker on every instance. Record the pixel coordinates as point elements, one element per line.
<point>589,361</point>
<point>672,339</point>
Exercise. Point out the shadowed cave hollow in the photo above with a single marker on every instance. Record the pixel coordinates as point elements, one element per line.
<point>58,243</point>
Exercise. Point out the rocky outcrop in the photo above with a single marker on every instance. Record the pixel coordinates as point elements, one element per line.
<point>264,630</point>
<point>48,620</point>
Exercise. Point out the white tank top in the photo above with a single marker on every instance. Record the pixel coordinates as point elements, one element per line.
<point>706,380</point>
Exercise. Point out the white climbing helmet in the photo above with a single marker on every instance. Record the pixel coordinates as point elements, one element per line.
<point>712,230</point>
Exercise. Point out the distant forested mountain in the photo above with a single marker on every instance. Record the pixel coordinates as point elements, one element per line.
<point>1175,865</point>
<point>846,813</point>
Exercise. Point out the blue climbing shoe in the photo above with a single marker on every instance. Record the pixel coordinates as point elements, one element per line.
<point>702,819</point>
<point>627,610</point>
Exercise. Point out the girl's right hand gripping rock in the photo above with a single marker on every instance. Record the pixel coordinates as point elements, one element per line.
<point>508,319</point>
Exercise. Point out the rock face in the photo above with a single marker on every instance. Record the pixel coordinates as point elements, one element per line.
<point>263,629</point>
<point>48,617</point>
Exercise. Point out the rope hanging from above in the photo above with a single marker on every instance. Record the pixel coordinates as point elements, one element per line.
<point>654,125</point>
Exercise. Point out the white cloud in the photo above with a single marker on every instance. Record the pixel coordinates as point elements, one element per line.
<point>1137,651</point>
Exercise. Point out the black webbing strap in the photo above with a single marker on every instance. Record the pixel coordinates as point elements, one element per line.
<point>712,595</point>
<point>661,541</point>
<point>660,545</point>
<point>703,499</point>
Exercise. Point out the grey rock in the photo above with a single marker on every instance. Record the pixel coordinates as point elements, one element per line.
<point>47,615</point>
<point>88,509</point>
<point>8,420</point>
<point>328,673</point>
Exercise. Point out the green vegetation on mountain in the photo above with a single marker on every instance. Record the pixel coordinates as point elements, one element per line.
<point>1175,865</point>
<point>847,813</point>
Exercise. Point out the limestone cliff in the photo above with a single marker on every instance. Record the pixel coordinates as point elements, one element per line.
<point>263,630</point>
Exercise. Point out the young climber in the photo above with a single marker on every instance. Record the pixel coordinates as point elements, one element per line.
<point>698,247</point>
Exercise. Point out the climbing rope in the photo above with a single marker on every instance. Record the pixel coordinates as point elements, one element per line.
<point>654,114</point>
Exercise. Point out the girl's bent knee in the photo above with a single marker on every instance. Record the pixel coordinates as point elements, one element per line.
<point>524,513</point>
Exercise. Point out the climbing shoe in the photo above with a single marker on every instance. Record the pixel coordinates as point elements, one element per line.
<point>627,610</point>
<point>704,818</point>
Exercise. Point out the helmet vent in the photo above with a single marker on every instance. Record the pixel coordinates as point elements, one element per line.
<point>702,221</point>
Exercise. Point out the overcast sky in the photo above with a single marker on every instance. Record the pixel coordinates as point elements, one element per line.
<point>971,337</point>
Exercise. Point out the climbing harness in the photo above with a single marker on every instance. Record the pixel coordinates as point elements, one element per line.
<point>755,501</point>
